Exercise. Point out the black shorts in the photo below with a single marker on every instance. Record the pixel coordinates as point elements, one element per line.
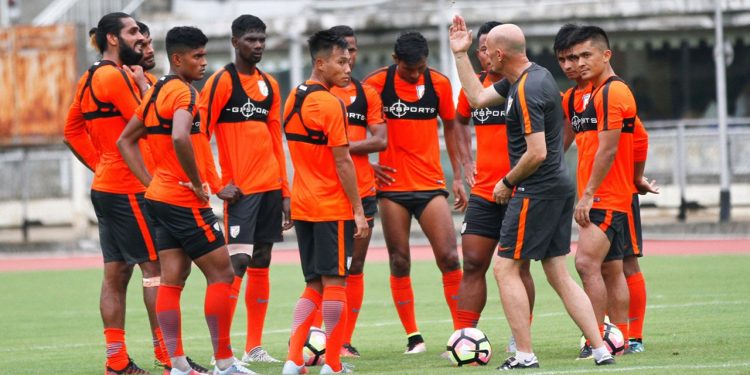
<point>483,218</point>
<point>125,228</point>
<point>325,248</point>
<point>614,225</point>
<point>634,234</point>
<point>254,218</point>
<point>194,230</point>
<point>536,228</point>
<point>414,201</point>
<point>370,205</point>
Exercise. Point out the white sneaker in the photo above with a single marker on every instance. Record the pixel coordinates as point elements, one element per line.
<point>176,371</point>
<point>258,354</point>
<point>291,368</point>
<point>235,369</point>
<point>345,369</point>
<point>416,349</point>
<point>237,361</point>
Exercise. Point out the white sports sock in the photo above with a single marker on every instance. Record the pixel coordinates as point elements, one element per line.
<point>525,357</point>
<point>180,363</point>
<point>600,353</point>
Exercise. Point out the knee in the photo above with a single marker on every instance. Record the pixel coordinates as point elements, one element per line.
<point>400,264</point>
<point>448,260</point>
<point>586,267</point>
<point>150,269</point>
<point>475,266</point>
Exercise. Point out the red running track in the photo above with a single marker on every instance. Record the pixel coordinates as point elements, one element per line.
<point>379,254</point>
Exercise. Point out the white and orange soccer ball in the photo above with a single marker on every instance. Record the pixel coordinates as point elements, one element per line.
<point>315,347</point>
<point>469,347</point>
<point>613,339</point>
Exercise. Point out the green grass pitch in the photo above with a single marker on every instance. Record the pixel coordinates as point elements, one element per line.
<point>697,322</point>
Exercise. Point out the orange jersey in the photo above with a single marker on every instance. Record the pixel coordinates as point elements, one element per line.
<point>573,102</point>
<point>411,112</point>
<point>243,111</point>
<point>314,122</point>
<point>611,106</point>
<point>364,109</point>
<point>157,110</point>
<point>105,100</point>
<point>492,161</point>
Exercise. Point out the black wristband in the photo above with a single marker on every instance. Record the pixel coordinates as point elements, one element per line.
<point>507,183</point>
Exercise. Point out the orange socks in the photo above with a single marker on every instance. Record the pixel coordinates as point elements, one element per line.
<point>218,308</point>
<point>168,313</point>
<point>334,316</point>
<point>257,293</point>
<point>117,352</point>
<point>318,318</point>
<point>637,309</point>
<point>451,283</point>
<point>302,319</point>
<point>466,319</point>
<point>403,298</point>
<point>236,285</point>
<point>355,291</point>
<point>160,350</point>
<point>623,327</point>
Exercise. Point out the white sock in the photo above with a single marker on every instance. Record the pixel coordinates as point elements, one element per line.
<point>525,357</point>
<point>600,353</point>
<point>224,364</point>
<point>180,363</point>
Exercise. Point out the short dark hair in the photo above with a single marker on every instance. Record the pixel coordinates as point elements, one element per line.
<point>343,30</point>
<point>109,24</point>
<point>562,39</point>
<point>143,28</point>
<point>325,41</point>
<point>592,33</point>
<point>486,27</point>
<point>182,38</point>
<point>411,47</point>
<point>246,23</point>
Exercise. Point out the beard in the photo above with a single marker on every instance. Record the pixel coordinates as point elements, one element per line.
<point>128,55</point>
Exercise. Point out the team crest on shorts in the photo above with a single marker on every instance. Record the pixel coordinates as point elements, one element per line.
<point>463,227</point>
<point>234,231</point>
<point>263,87</point>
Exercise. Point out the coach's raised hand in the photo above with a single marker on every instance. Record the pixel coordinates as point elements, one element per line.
<point>460,37</point>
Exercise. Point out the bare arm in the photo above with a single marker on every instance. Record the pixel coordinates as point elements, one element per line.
<point>348,177</point>
<point>453,145</point>
<point>182,122</point>
<point>131,153</point>
<point>603,159</point>
<point>464,146</point>
<point>376,142</point>
<point>642,184</point>
<point>460,42</point>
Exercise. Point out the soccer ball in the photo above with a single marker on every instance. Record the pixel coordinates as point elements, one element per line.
<point>613,339</point>
<point>315,347</point>
<point>469,346</point>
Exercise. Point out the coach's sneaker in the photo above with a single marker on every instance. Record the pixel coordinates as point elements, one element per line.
<point>585,352</point>
<point>291,368</point>
<point>131,368</point>
<point>235,369</point>
<point>258,354</point>
<point>345,369</point>
<point>513,364</point>
<point>511,348</point>
<point>415,345</point>
<point>635,346</point>
<point>198,368</point>
<point>605,360</point>
<point>348,351</point>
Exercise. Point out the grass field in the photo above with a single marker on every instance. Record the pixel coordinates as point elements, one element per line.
<point>698,321</point>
